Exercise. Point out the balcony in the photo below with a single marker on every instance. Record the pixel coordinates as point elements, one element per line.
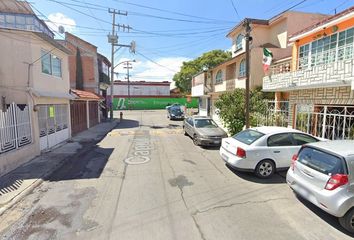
<point>334,74</point>
<point>199,90</point>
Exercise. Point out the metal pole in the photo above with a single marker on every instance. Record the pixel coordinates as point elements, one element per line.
<point>247,91</point>
<point>128,86</point>
<point>112,68</point>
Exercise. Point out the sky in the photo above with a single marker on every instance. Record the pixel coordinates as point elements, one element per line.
<point>166,32</point>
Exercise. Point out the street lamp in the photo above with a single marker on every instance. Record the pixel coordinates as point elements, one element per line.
<point>112,81</point>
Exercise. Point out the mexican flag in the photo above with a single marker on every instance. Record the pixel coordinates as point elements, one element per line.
<point>267,59</point>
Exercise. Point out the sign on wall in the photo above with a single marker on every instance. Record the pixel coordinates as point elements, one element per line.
<point>151,103</point>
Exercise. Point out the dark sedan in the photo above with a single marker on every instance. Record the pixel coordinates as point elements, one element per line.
<point>175,113</point>
<point>204,131</point>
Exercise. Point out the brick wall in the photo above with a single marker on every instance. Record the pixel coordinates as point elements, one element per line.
<point>320,96</point>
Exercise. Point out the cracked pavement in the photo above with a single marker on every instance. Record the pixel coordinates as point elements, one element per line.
<point>169,189</point>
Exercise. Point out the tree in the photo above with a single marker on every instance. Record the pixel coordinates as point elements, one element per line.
<point>79,74</point>
<point>232,108</point>
<point>208,60</point>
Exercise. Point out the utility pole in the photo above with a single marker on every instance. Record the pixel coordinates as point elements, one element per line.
<point>248,38</point>
<point>128,66</point>
<point>113,39</point>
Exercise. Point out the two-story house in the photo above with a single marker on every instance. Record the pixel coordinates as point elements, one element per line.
<point>104,80</point>
<point>34,86</point>
<point>272,34</point>
<point>320,85</point>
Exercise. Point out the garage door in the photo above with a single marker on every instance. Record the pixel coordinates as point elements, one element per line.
<point>53,125</point>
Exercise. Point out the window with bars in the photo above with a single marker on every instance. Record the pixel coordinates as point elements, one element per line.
<point>336,47</point>
<point>239,42</point>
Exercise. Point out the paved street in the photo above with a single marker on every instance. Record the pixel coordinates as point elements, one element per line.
<point>146,180</point>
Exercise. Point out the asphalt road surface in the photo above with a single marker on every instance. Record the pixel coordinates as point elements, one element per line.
<point>146,180</point>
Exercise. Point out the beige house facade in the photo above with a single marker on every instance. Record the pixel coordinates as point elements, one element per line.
<point>34,87</point>
<point>320,85</point>
<point>272,34</point>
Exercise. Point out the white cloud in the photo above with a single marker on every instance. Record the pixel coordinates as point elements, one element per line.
<point>59,19</point>
<point>164,70</point>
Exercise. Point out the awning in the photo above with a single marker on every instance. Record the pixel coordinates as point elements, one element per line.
<point>85,95</point>
<point>38,93</point>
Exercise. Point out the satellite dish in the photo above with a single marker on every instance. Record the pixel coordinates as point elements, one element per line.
<point>61,29</point>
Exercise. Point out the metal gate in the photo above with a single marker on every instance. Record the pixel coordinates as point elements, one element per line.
<point>15,127</point>
<point>53,125</point>
<point>78,111</point>
<point>276,114</point>
<point>326,121</point>
<point>93,112</point>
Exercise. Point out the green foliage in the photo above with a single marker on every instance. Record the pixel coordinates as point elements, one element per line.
<point>210,59</point>
<point>79,73</point>
<point>232,108</point>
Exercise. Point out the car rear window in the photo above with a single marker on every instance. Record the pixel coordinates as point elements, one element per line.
<point>248,136</point>
<point>321,161</point>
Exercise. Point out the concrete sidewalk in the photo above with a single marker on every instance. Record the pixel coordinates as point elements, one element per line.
<point>21,181</point>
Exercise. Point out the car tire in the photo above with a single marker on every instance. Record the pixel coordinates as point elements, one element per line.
<point>195,140</point>
<point>347,221</point>
<point>265,169</point>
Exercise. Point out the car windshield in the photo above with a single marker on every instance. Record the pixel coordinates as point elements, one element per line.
<point>205,123</point>
<point>248,136</point>
<point>321,161</point>
<point>176,110</point>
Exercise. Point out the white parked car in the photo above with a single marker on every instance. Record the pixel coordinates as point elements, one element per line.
<point>322,173</point>
<point>263,150</point>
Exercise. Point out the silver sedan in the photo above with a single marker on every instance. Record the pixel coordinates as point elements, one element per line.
<point>203,130</point>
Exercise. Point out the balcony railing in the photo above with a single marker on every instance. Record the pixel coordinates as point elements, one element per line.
<point>335,74</point>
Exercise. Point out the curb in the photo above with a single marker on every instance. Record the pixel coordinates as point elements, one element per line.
<point>9,204</point>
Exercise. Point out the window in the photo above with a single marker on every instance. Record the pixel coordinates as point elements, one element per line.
<point>321,161</point>
<point>239,42</point>
<point>248,136</point>
<point>278,140</point>
<point>51,64</point>
<point>205,123</point>
<point>56,66</point>
<point>301,139</point>
<point>336,47</point>
<point>46,63</point>
<point>242,69</point>
<point>218,77</point>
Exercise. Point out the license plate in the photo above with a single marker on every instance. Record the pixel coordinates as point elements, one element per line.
<point>216,142</point>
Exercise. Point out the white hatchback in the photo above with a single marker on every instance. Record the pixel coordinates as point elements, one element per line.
<point>263,150</point>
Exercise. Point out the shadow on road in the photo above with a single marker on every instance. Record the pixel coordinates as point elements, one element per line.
<point>277,178</point>
<point>333,221</point>
<point>128,123</point>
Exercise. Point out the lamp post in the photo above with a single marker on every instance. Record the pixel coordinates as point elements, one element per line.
<point>112,81</point>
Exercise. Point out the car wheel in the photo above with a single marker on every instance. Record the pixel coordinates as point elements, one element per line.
<point>347,221</point>
<point>195,140</point>
<point>265,169</point>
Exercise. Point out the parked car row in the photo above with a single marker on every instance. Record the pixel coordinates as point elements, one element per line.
<point>322,172</point>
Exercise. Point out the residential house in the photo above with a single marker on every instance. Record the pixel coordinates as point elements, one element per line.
<point>272,34</point>
<point>104,81</point>
<point>320,85</point>
<point>34,86</point>
<point>84,82</point>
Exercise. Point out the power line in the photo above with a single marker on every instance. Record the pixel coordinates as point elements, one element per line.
<point>158,64</point>
<point>169,11</point>
<point>235,9</point>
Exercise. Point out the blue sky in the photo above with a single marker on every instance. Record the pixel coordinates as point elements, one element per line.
<point>167,32</point>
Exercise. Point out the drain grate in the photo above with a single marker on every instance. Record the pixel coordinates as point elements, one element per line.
<point>10,186</point>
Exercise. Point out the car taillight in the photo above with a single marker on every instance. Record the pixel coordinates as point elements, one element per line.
<point>293,161</point>
<point>240,152</point>
<point>336,180</point>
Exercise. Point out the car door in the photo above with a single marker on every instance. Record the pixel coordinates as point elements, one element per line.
<point>282,149</point>
<point>187,126</point>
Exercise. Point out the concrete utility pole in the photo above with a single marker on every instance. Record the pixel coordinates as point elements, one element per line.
<point>248,38</point>
<point>113,39</point>
<point>128,66</point>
